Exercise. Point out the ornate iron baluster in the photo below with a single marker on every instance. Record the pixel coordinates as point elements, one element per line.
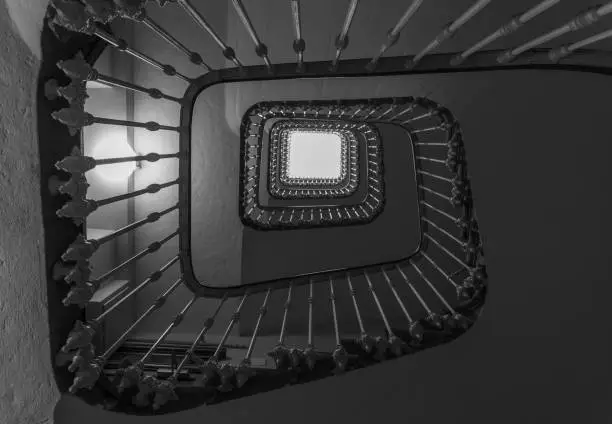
<point>260,48</point>
<point>75,118</point>
<point>367,342</point>
<point>463,292</point>
<point>299,45</point>
<point>79,209</point>
<point>438,177</point>
<point>280,353</point>
<point>448,252</point>
<point>77,163</point>
<point>461,222</point>
<point>448,31</point>
<point>382,345</point>
<point>153,247</point>
<point>394,33</point>
<point>194,57</point>
<point>309,353</point>
<point>442,196</point>
<point>403,112</point>
<point>148,385</point>
<point>443,231</point>
<point>581,21</point>
<point>506,29</point>
<point>156,305</point>
<point>85,17</point>
<point>149,157</point>
<point>155,276</point>
<point>416,330</point>
<point>458,319</point>
<point>433,318</point>
<point>244,371</point>
<point>442,126</point>
<point>175,322</point>
<point>80,71</point>
<point>376,199</point>
<point>79,276</point>
<point>151,92</point>
<point>226,371</point>
<point>339,355</point>
<point>425,115</point>
<point>228,52</point>
<point>88,367</point>
<point>342,39</point>
<point>189,354</point>
<point>357,111</point>
<point>431,144</point>
<point>82,249</point>
<point>566,50</point>
<point>122,45</point>
<point>165,389</point>
<point>388,111</point>
<point>373,110</point>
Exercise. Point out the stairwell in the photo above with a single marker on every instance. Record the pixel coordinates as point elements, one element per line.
<point>538,154</point>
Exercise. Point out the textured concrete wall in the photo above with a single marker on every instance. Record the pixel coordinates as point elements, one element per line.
<point>27,17</point>
<point>27,388</point>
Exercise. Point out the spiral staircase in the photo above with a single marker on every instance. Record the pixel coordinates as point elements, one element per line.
<point>320,323</point>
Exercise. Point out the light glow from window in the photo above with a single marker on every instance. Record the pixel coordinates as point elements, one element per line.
<point>314,154</point>
<point>114,148</point>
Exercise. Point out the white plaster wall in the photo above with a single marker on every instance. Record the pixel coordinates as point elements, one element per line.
<point>214,225</point>
<point>27,17</point>
<point>27,388</point>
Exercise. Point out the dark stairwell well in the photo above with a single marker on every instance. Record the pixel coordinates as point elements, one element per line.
<point>212,287</point>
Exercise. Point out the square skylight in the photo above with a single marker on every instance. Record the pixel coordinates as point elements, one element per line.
<point>329,148</point>
<point>299,172</point>
<point>316,155</point>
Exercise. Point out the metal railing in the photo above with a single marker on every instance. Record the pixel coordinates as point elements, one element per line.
<point>446,277</point>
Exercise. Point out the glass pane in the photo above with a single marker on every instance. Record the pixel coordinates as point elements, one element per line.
<point>314,155</point>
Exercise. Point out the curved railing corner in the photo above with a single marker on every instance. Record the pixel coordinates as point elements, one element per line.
<point>449,264</point>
